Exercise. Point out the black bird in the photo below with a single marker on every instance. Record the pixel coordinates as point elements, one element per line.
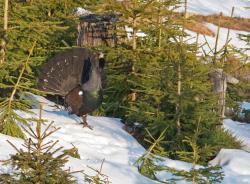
<point>78,76</point>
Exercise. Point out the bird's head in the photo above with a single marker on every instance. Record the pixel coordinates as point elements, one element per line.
<point>98,61</point>
<point>93,72</point>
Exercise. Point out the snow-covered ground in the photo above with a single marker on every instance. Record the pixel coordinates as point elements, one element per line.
<point>208,7</point>
<point>245,105</point>
<point>233,37</point>
<point>240,130</point>
<point>235,164</point>
<point>109,141</point>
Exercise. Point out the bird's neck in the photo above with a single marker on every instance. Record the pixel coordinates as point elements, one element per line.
<point>94,83</point>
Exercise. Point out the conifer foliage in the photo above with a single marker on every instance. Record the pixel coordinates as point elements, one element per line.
<point>158,79</point>
<point>18,86</point>
<point>39,161</point>
<point>99,177</point>
<point>44,23</point>
<point>147,162</point>
<point>198,174</point>
<point>150,163</point>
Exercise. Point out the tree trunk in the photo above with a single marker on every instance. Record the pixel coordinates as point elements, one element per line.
<point>160,27</point>
<point>178,123</point>
<point>5,18</point>
<point>134,34</point>
<point>216,42</point>
<point>185,10</point>
<point>5,28</point>
<point>178,104</point>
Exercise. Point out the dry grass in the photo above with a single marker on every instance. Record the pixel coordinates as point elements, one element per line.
<point>236,23</point>
<point>236,68</point>
<point>196,23</point>
<point>199,28</point>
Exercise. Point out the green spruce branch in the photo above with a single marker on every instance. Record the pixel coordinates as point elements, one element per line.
<point>99,178</point>
<point>8,116</point>
<point>39,160</point>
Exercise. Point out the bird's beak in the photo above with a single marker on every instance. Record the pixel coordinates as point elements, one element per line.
<point>101,55</point>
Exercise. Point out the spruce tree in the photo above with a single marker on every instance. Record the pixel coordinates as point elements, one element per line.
<point>147,163</point>
<point>49,24</point>
<point>39,161</point>
<point>99,178</point>
<point>161,82</point>
<point>198,174</point>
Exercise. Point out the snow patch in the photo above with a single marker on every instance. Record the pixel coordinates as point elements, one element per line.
<point>240,130</point>
<point>82,12</point>
<point>107,141</point>
<point>208,7</point>
<point>245,105</point>
<point>236,165</point>
<point>234,38</point>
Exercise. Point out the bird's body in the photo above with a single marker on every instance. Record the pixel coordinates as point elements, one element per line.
<point>77,75</point>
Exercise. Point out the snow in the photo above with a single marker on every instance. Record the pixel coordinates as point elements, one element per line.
<point>81,11</point>
<point>235,164</point>
<point>129,31</point>
<point>107,141</point>
<point>234,38</point>
<point>208,7</point>
<point>245,105</point>
<point>240,130</point>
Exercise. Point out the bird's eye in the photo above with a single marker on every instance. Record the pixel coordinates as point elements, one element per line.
<point>80,93</point>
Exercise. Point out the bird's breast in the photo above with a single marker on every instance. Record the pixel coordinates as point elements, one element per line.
<point>91,101</point>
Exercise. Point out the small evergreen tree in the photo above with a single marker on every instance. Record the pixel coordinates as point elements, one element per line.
<point>38,162</point>
<point>49,24</point>
<point>198,174</point>
<point>147,163</point>
<point>159,81</point>
<point>18,87</point>
<point>99,178</point>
